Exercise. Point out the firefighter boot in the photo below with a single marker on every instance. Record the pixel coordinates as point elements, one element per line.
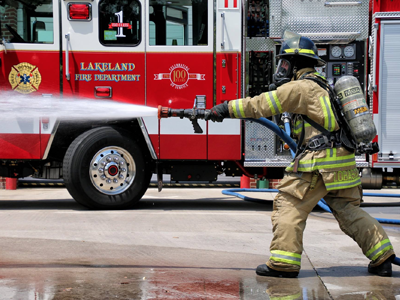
<point>264,270</point>
<point>384,269</point>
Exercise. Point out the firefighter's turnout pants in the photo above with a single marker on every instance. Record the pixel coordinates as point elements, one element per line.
<point>298,194</point>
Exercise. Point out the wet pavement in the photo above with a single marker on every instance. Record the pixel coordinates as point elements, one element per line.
<point>177,244</point>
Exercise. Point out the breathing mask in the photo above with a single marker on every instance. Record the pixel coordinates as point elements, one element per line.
<point>282,75</point>
<point>283,70</point>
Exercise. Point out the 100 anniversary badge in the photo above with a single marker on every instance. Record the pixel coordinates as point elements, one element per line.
<point>25,78</point>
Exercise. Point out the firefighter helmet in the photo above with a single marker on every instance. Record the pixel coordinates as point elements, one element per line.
<point>295,44</point>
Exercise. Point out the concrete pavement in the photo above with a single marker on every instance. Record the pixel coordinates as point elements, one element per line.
<point>177,244</point>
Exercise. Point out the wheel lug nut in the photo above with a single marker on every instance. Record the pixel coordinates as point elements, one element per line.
<point>123,170</point>
<point>121,163</point>
<point>121,176</point>
<point>108,158</point>
<point>108,181</point>
<point>103,163</point>
<point>102,177</point>
<point>101,170</point>
<point>115,180</point>
<point>116,159</point>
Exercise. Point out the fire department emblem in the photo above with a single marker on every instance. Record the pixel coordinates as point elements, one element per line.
<point>179,76</point>
<point>25,78</point>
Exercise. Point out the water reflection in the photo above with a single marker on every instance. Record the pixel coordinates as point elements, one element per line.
<point>147,283</point>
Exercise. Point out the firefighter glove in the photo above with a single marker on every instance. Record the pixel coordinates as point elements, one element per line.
<point>218,113</point>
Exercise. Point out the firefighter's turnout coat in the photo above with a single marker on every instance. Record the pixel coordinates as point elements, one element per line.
<point>329,173</point>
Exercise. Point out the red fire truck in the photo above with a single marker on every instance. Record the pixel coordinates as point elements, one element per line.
<point>383,90</point>
<point>172,53</point>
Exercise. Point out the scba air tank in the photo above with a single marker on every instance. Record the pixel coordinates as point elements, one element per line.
<point>355,109</point>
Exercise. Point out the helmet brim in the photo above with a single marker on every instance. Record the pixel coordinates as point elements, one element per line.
<point>319,62</point>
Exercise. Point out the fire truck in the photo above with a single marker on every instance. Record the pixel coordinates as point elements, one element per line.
<point>384,43</point>
<point>177,54</point>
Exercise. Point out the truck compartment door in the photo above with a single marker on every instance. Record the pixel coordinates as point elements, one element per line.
<point>103,50</point>
<point>30,69</point>
<point>224,140</point>
<point>388,91</point>
<point>179,66</point>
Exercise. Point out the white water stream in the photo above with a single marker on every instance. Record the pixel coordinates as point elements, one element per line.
<point>20,106</point>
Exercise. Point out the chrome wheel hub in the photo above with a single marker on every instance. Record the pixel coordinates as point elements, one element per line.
<point>112,170</point>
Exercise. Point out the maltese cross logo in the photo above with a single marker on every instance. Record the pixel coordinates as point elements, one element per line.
<point>25,78</point>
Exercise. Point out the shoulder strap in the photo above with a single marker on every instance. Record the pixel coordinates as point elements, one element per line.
<point>332,96</point>
<point>347,136</point>
<point>316,125</point>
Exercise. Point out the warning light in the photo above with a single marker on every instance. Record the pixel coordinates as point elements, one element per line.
<point>103,92</point>
<point>80,11</point>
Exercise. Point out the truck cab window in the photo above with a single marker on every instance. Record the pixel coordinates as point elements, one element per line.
<point>180,22</point>
<point>26,21</point>
<point>119,22</point>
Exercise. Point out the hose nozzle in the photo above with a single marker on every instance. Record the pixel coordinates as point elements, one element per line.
<point>193,114</point>
<point>163,112</point>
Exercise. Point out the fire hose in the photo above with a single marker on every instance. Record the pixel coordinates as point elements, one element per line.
<point>194,114</point>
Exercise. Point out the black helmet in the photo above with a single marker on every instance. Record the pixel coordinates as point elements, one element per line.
<point>295,44</point>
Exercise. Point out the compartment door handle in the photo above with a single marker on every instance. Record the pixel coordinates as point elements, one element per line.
<point>67,74</point>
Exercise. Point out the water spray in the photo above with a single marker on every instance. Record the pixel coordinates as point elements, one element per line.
<point>70,109</point>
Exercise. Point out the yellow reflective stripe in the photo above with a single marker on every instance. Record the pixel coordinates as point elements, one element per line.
<point>332,120</point>
<point>324,111</point>
<point>273,102</point>
<point>288,261</point>
<point>241,110</point>
<point>278,103</point>
<point>385,241</point>
<point>319,75</point>
<point>382,252</point>
<point>329,119</point>
<point>237,107</point>
<point>290,297</point>
<point>342,184</point>
<point>286,257</point>
<point>329,159</point>
<point>325,163</point>
<point>272,108</point>
<point>379,249</point>
<point>297,131</point>
<point>286,253</point>
<point>314,167</point>
<point>234,109</point>
<point>299,126</point>
<point>292,50</point>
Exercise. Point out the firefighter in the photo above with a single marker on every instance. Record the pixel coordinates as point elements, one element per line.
<point>322,167</point>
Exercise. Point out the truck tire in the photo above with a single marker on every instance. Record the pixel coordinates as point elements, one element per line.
<point>104,168</point>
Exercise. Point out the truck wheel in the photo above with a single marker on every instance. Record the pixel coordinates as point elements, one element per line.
<point>105,169</point>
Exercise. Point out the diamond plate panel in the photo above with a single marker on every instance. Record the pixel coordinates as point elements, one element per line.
<point>261,147</point>
<point>275,18</point>
<point>260,44</point>
<point>314,19</point>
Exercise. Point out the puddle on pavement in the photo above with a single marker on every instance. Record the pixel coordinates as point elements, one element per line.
<point>160,283</point>
<point>147,283</point>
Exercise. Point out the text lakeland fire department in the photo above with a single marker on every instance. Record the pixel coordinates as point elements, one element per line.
<point>103,67</point>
